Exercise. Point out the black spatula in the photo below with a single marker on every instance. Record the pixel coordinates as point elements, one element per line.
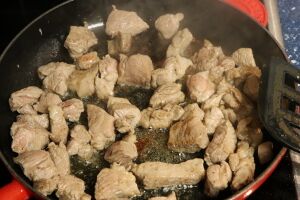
<point>279,102</point>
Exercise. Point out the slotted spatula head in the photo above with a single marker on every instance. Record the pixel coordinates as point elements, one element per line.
<point>279,100</point>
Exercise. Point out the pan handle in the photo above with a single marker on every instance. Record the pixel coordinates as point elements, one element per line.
<point>14,191</point>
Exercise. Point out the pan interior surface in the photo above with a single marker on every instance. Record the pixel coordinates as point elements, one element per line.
<point>42,42</point>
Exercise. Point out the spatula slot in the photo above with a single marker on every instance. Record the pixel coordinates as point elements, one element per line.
<point>288,104</point>
<point>292,82</point>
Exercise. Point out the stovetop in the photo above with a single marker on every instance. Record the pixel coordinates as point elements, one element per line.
<point>15,14</point>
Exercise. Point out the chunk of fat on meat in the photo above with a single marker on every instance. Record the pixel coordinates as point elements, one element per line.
<point>213,101</point>
<point>168,24</point>
<point>160,118</point>
<point>46,186</point>
<point>171,196</point>
<point>244,57</point>
<point>265,152</point>
<point>126,115</point>
<point>158,174</point>
<point>59,127</point>
<point>218,177</point>
<point>101,127</point>
<point>47,99</point>
<point>79,40</point>
<point>179,64</point>
<point>36,165</point>
<point>222,144</point>
<point>213,118</point>
<point>180,42</point>
<point>122,152</point>
<point>83,81</point>
<point>79,143</point>
<point>162,76</point>
<point>87,60</point>
<point>229,114</point>
<point>243,166</point>
<point>60,157</point>
<point>251,87</point>
<point>167,94</point>
<point>135,70</point>
<point>71,188</point>
<point>249,130</point>
<point>200,87</point>
<point>120,44</point>
<point>34,120</point>
<point>207,57</point>
<point>72,109</point>
<point>115,183</point>
<point>55,76</point>
<point>24,97</point>
<point>108,68</point>
<point>121,21</point>
<point>27,109</point>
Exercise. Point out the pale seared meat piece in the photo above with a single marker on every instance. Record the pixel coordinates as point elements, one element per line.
<point>200,87</point>
<point>238,75</point>
<point>126,115</point>
<point>87,60</point>
<point>155,175</point>
<point>37,165</point>
<point>122,152</point>
<point>46,186</point>
<point>167,94</point>
<point>79,41</point>
<point>249,130</point>
<point>59,127</point>
<point>71,188</point>
<point>72,109</point>
<point>213,118</point>
<point>180,42</point>
<point>243,166</point>
<point>135,70</point>
<point>115,183</point>
<point>121,21</point>
<point>222,144</point>
<point>168,24</point>
<point>55,76</point>
<point>217,178</point>
<point>179,64</point>
<point>60,158</point>
<point>160,118</point>
<point>265,152</point>
<point>101,127</point>
<point>207,57</point>
<point>27,109</point>
<point>120,44</point>
<point>83,81</point>
<point>244,57</point>
<point>24,97</point>
<point>34,120</point>
<point>162,76</point>
<point>47,99</point>
<point>189,134</point>
<point>216,73</point>
<point>251,87</point>
<point>108,77</point>
<point>213,101</point>
<point>229,114</point>
<point>172,196</point>
<point>80,143</point>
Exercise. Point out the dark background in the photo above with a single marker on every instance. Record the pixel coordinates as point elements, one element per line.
<point>16,14</point>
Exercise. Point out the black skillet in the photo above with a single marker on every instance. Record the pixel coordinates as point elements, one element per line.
<point>42,42</point>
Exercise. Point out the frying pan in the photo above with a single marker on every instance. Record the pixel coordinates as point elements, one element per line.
<point>42,42</point>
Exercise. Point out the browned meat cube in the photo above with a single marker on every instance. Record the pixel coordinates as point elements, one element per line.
<point>158,174</point>
<point>86,61</point>
<point>101,127</point>
<point>46,186</point>
<point>115,183</point>
<point>36,165</point>
<point>59,127</point>
<point>79,40</point>
<point>135,70</point>
<point>121,21</point>
<point>162,76</point>
<point>60,158</point>
<point>72,109</point>
<point>71,188</point>
<point>24,97</point>
<point>126,115</point>
<point>83,81</point>
<point>47,99</point>
<point>244,57</point>
<point>213,118</point>
<point>168,24</point>
<point>167,94</point>
<point>265,152</point>
<point>172,196</point>
<point>251,87</point>
<point>180,42</point>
